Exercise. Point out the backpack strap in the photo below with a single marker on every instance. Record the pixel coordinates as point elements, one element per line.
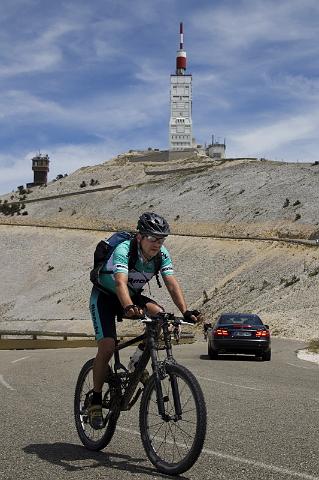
<point>158,264</point>
<point>132,253</point>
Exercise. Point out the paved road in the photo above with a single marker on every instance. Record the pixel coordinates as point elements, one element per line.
<point>263,419</point>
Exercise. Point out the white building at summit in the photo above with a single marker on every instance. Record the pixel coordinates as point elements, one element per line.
<point>180,124</point>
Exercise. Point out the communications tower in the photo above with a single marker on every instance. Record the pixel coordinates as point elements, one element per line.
<point>180,124</point>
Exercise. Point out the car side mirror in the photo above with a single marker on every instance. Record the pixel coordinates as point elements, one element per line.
<point>267,326</point>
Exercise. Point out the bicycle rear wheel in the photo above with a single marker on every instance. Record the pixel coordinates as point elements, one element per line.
<point>173,445</point>
<point>91,438</point>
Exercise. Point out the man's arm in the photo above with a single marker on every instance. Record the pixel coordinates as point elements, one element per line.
<point>177,295</point>
<point>122,289</point>
<point>175,292</point>
<point>124,296</point>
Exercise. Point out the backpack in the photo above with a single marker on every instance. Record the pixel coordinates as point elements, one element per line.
<point>106,247</point>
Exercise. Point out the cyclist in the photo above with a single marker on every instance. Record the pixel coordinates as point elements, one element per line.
<point>121,296</point>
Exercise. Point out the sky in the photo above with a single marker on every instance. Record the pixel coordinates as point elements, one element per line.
<point>84,81</point>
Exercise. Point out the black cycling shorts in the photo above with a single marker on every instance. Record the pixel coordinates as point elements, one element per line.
<point>106,307</point>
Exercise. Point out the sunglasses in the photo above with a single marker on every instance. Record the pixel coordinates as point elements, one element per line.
<point>153,239</point>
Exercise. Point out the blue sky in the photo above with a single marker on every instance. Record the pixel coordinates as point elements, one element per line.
<point>86,80</point>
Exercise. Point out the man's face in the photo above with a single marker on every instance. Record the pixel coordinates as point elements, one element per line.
<point>150,244</point>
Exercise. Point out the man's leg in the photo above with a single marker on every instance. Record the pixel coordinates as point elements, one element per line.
<point>152,308</point>
<point>103,310</point>
<point>106,347</point>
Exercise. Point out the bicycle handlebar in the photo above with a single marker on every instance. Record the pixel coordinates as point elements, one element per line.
<point>169,317</point>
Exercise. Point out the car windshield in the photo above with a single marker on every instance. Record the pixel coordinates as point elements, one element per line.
<point>244,320</point>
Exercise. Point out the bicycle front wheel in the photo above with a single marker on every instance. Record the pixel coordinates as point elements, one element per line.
<point>91,438</point>
<point>173,444</point>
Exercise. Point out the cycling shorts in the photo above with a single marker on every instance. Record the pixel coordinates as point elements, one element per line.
<point>106,307</point>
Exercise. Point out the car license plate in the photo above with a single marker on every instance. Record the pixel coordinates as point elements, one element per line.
<point>241,334</point>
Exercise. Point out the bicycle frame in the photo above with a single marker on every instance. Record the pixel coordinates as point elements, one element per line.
<point>151,335</point>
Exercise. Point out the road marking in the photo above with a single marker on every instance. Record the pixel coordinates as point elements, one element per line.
<point>2,380</point>
<point>234,458</point>
<point>226,383</point>
<point>19,359</point>
<point>300,366</point>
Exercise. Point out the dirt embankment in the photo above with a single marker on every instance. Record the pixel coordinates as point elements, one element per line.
<point>45,271</point>
<point>47,286</point>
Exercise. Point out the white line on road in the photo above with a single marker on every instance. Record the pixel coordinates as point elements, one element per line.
<point>273,468</point>
<point>299,366</point>
<point>19,359</point>
<point>227,383</point>
<point>2,380</point>
<point>246,461</point>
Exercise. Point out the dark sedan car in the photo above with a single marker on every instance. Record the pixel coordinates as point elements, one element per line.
<point>239,333</point>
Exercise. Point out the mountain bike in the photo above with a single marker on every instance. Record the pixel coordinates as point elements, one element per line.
<point>172,413</point>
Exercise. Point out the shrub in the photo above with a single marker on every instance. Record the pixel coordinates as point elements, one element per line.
<point>83,184</point>
<point>297,217</point>
<point>314,272</point>
<point>205,297</point>
<point>288,283</point>
<point>286,203</point>
<point>314,345</point>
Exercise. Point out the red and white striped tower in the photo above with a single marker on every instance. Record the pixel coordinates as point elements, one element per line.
<point>180,125</point>
<point>181,54</point>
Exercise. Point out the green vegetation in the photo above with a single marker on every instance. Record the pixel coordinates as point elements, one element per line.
<point>288,283</point>
<point>9,209</point>
<point>314,345</point>
<point>314,272</point>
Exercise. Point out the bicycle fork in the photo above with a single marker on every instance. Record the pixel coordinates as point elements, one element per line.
<point>161,399</point>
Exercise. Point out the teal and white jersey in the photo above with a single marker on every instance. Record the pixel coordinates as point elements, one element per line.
<point>142,273</point>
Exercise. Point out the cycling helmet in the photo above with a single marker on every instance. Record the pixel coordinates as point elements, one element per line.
<point>150,223</point>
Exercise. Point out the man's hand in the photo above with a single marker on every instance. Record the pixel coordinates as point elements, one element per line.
<point>133,311</point>
<point>192,316</point>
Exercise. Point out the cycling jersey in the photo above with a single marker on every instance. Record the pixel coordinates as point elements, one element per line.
<point>141,274</point>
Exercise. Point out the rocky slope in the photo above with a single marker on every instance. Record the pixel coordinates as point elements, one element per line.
<point>240,198</point>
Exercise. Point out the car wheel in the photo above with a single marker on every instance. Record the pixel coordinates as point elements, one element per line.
<point>213,354</point>
<point>266,356</point>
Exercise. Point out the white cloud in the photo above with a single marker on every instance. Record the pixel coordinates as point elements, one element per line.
<point>16,170</point>
<point>96,115</point>
<point>39,53</point>
<point>255,32</point>
<point>279,134</point>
